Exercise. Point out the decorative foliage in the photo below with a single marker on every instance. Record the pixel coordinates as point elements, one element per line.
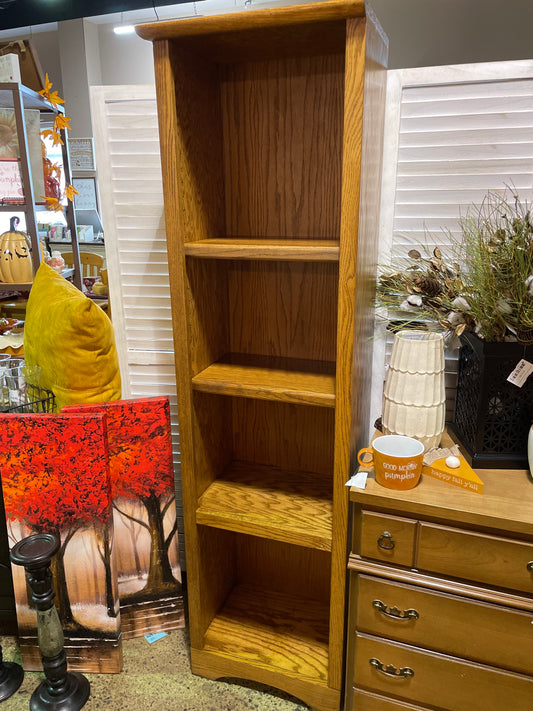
<point>52,170</point>
<point>487,285</point>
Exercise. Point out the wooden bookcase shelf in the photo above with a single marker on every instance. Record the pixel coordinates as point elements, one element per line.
<point>289,506</point>
<point>250,623</point>
<point>271,220</point>
<point>253,378</point>
<point>273,249</point>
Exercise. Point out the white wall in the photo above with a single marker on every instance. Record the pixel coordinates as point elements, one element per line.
<point>124,59</point>
<point>424,33</point>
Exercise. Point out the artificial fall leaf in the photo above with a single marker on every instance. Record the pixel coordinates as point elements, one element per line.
<point>56,139</point>
<point>52,203</point>
<point>61,121</point>
<point>70,191</point>
<point>55,99</point>
<point>47,86</point>
<point>48,133</point>
<point>51,96</point>
<point>414,254</point>
<point>460,329</point>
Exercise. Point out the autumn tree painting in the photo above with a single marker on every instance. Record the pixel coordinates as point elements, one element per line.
<point>142,485</point>
<point>55,479</point>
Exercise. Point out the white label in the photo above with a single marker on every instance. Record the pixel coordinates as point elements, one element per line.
<point>358,480</point>
<point>521,373</point>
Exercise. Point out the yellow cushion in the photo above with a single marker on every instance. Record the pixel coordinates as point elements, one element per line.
<point>73,341</point>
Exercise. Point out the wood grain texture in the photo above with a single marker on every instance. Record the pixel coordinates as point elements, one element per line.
<point>215,665</point>
<point>470,584</point>
<point>261,626</point>
<point>365,60</point>
<point>432,582</point>
<point>284,435</point>
<point>282,147</point>
<point>272,249</point>
<point>505,505</point>
<point>294,507</point>
<point>267,383</point>
<point>283,568</point>
<point>498,562</point>
<point>458,685</point>
<point>403,536</point>
<point>308,27</point>
<point>493,635</point>
<point>262,153</point>
<point>367,701</point>
<point>285,309</point>
<point>169,129</point>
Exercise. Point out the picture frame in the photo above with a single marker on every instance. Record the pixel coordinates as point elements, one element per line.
<point>87,197</point>
<point>81,153</point>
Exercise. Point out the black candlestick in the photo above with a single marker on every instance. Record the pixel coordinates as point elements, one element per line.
<point>11,676</point>
<point>61,690</point>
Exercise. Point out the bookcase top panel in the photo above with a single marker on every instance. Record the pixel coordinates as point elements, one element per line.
<point>314,24</point>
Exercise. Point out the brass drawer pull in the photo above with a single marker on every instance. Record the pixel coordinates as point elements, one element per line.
<point>395,612</point>
<point>386,541</point>
<point>390,669</point>
<point>529,566</point>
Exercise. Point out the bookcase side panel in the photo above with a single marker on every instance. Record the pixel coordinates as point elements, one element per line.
<point>352,140</point>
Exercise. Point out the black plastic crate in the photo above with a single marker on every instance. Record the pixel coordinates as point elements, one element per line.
<point>492,416</point>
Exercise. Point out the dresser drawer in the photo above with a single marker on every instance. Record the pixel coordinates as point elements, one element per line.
<point>461,627</point>
<point>387,538</point>
<point>453,684</point>
<point>366,701</point>
<point>495,561</point>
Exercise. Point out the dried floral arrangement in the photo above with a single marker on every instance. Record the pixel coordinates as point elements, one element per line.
<point>53,170</point>
<point>486,286</point>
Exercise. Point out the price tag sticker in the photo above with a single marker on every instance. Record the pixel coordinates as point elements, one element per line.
<point>521,373</point>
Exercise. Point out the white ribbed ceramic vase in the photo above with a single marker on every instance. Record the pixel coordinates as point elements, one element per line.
<point>414,401</point>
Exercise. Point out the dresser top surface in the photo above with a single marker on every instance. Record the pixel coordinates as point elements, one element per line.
<point>506,504</point>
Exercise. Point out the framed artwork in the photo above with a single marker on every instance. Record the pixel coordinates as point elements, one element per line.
<point>81,152</point>
<point>10,179</point>
<point>55,479</point>
<point>144,508</point>
<point>87,196</point>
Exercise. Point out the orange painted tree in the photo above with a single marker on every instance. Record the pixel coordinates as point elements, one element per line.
<point>55,480</point>
<point>140,464</point>
<point>140,458</point>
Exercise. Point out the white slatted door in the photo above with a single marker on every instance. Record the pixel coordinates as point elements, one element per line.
<point>129,174</point>
<point>452,134</point>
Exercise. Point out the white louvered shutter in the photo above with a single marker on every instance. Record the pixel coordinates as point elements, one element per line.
<point>452,134</point>
<point>129,174</point>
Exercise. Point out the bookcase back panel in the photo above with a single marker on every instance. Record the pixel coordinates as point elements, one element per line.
<point>284,435</point>
<point>282,126</point>
<point>286,309</point>
<point>283,567</point>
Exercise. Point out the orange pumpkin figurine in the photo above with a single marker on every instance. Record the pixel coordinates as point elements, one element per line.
<point>15,258</point>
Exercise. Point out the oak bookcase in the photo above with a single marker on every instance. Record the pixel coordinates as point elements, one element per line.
<point>271,174</point>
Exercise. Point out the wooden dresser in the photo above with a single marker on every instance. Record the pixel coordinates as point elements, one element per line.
<point>441,604</point>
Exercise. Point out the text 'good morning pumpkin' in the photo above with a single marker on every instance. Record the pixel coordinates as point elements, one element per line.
<point>15,258</point>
